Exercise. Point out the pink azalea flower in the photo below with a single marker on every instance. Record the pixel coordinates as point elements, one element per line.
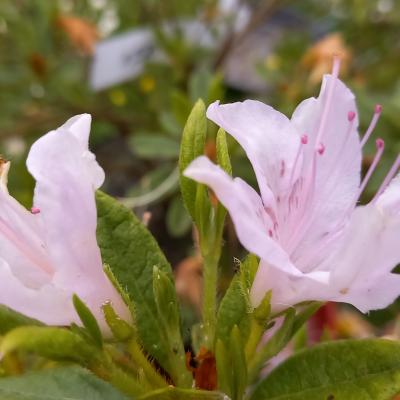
<point>313,240</point>
<point>50,253</point>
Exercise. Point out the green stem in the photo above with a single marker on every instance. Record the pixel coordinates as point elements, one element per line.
<point>181,375</point>
<point>142,361</point>
<point>210,280</point>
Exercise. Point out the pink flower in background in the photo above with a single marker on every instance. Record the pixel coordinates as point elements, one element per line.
<point>313,242</point>
<point>50,253</point>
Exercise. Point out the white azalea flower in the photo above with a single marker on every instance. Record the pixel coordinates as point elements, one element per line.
<point>313,240</point>
<point>49,253</point>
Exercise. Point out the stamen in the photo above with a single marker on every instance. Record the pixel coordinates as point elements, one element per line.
<point>380,146</point>
<point>350,116</point>
<point>321,149</point>
<point>35,210</point>
<point>372,125</point>
<point>390,175</point>
<point>327,105</point>
<point>304,139</point>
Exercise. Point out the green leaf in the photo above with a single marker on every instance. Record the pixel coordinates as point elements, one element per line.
<point>88,320</point>
<point>216,88</point>
<point>154,146</point>
<point>349,369</point>
<point>203,217</point>
<point>171,393</point>
<point>164,294</point>
<point>222,152</point>
<point>224,368</point>
<point>233,310</point>
<point>53,343</point>
<point>225,163</point>
<point>248,270</point>
<point>69,383</point>
<point>235,306</point>
<point>168,311</point>
<point>132,252</point>
<point>192,146</point>
<point>274,345</point>
<point>124,295</point>
<point>239,367</point>
<point>178,220</point>
<point>259,319</point>
<point>10,319</point>
<point>262,312</point>
<point>119,328</point>
<point>305,314</point>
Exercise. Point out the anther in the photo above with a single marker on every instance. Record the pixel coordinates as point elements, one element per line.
<point>321,149</point>
<point>351,115</point>
<point>372,125</point>
<point>35,210</point>
<point>304,140</point>
<point>380,144</point>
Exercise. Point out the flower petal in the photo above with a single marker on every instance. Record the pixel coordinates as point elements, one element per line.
<point>271,142</point>
<point>246,209</point>
<point>21,243</point>
<point>337,176</point>
<point>361,267</point>
<point>67,176</point>
<point>371,295</point>
<point>288,290</point>
<point>47,304</point>
<point>79,126</point>
<point>4,168</point>
<point>389,201</point>
<point>369,251</point>
<point>64,194</point>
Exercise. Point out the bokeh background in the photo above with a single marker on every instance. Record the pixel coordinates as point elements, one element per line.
<point>53,65</point>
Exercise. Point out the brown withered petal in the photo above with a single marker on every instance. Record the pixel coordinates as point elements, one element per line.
<point>205,374</point>
<point>82,34</point>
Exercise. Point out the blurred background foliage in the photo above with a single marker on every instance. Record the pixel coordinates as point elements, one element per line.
<point>275,51</point>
